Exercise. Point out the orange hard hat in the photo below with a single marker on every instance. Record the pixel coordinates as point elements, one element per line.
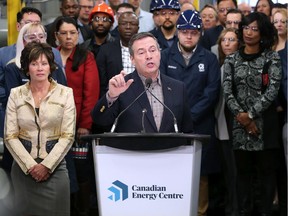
<point>103,8</point>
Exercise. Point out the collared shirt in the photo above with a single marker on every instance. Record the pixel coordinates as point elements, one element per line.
<point>156,107</point>
<point>80,38</point>
<point>186,57</point>
<point>128,67</point>
<point>146,22</point>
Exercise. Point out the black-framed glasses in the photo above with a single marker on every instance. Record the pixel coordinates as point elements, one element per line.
<point>35,36</point>
<point>252,28</point>
<point>101,19</point>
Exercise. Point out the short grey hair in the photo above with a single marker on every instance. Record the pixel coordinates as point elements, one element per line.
<point>140,36</point>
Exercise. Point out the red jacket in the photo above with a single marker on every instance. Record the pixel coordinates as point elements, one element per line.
<point>86,88</point>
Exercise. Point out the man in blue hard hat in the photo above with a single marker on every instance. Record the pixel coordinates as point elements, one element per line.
<point>168,13</point>
<point>199,69</point>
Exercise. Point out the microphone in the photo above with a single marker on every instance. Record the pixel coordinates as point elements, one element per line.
<point>148,82</point>
<point>165,106</point>
<point>144,111</point>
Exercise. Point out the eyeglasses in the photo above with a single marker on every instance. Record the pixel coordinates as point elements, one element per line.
<point>34,36</point>
<point>101,19</point>
<point>228,39</point>
<point>86,7</point>
<point>170,13</point>
<point>252,28</point>
<point>186,32</point>
<point>29,21</point>
<point>236,22</point>
<point>66,33</point>
<point>222,10</point>
<point>281,21</point>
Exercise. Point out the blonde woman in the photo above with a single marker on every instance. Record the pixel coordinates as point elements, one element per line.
<point>30,32</point>
<point>279,19</point>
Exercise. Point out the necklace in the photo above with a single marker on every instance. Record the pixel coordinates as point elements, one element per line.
<point>39,95</point>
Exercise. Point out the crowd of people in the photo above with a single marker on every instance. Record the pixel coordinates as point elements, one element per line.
<point>222,70</point>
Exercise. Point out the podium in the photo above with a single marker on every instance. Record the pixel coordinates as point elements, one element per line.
<point>147,174</point>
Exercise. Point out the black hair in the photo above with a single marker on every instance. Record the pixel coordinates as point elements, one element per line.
<point>234,1</point>
<point>80,53</point>
<point>271,5</point>
<point>235,11</point>
<point>279,5</point>
<point>62,1</point>
<point>268,32</point>
<point>24,10</point>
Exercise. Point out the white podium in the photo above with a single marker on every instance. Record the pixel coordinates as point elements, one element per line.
<point>147,174</point>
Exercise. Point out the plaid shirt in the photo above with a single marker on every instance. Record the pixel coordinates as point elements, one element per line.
<point>156,107</point>
<point>128,67</point>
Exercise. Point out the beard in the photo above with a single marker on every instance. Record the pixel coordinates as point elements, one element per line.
<point>101,34</point>
<point>187,49</point>
<point>168,27</point>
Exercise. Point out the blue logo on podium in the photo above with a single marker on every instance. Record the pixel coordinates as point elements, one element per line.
<point>117,190</point>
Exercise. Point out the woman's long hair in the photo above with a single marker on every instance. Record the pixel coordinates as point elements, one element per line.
<point>220,50</point>
<point>268,32</point>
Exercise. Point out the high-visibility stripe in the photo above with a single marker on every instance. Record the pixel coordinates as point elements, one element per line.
<point>196,4</point>
<point>13,7</point>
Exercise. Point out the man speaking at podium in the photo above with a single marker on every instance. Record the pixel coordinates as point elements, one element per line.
<point>145,100</point>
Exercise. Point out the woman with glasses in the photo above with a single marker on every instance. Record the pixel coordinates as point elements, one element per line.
<point>82,76</point>
<point>252,78</point>
<point>228,43</point>
<point>39,131</point>
<point>13,76</point>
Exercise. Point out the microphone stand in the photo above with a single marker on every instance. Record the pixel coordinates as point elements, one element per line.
<point>148,82</point>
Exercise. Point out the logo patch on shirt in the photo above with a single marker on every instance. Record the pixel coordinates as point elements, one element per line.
<point>172,67</point>
<point>201,67</point>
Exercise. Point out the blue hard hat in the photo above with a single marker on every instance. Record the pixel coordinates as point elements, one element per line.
<point>189,20</point>
<point>165,4</point>
<point>153,5</point>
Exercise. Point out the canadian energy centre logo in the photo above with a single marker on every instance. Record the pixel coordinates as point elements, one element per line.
<point>119,191</point>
